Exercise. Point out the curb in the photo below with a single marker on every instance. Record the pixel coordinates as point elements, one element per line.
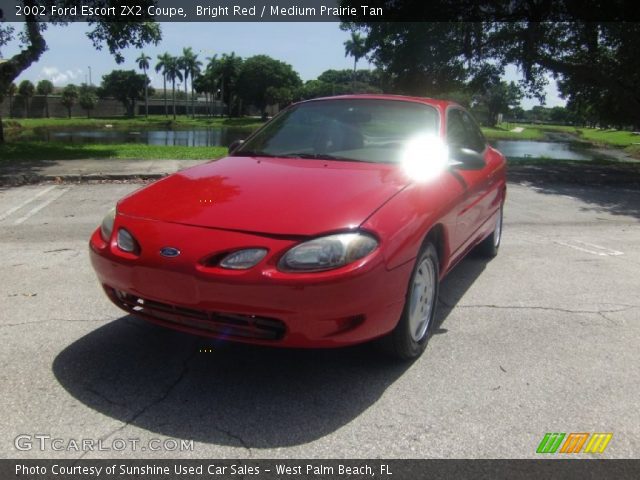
<point>31,179</point>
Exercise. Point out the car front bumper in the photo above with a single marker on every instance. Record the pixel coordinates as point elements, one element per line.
<point>261,305</point>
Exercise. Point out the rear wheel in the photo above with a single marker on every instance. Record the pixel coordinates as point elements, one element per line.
<point>409,339</point>
<point>490,245</point>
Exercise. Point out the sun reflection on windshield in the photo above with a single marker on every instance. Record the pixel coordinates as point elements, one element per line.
<point>424,157</point>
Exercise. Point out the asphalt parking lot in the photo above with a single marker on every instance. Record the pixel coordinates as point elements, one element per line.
<point>544,338</point>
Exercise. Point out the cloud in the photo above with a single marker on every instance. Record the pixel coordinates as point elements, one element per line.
<point>59,77</point>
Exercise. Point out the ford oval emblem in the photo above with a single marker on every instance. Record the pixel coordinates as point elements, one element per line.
<point>169,252</point>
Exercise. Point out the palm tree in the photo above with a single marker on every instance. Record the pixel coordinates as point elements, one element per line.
<point>190,66</point>
<point>143,64</point>
<point>172,72</point>
<point>26,91</point>
<point>228,70</point>
<point>45,88</point>
<point>163,61</point>
<point>355,47</point>
<point>210,72</point>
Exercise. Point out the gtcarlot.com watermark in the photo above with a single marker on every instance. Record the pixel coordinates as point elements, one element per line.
<point>42,442</point>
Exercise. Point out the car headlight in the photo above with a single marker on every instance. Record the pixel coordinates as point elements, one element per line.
<point>326,253</point>
<point>106,227</point>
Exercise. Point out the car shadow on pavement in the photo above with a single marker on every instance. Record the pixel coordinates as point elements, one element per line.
<point>187,387</point>
<point>455,285</point>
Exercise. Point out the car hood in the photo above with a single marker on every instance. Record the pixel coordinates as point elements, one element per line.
<point>282,196</point>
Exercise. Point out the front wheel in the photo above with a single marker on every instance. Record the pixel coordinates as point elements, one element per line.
<point>409,339</point>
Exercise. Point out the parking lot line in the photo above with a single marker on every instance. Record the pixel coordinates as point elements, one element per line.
<point>11,211</point>
<point>594,250</point>
<point>39,207</point>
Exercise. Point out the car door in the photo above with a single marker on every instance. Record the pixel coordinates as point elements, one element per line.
<point>463,132</point>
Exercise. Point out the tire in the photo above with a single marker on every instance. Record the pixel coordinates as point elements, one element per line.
<point>409,338</point>
<point>489,246</point>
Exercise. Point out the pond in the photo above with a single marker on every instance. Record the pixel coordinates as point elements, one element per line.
<point>215,137</point>
<point>202,137</point>
<point>553,150</point>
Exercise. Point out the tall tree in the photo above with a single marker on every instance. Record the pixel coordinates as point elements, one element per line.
<point>127,86</point>
<point>356,48</point>
<point>87,98</point>
<point>45,88</point>
<point>207,83</point>
<point>590,46</point>
<point>115,36</point>
<point>227,69</point>
<point>143,64</point>
<point>69,97</point>
<point>263,78</point>
<point>26,91</point>
<point>161,66</point>
<point>190,66</point>
<point>173,73</point>
<point>493,95</point>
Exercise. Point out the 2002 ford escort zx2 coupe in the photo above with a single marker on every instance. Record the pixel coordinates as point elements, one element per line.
<point>331,225</point>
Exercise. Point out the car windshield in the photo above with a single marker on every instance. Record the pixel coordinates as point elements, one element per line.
<point>365,130</point>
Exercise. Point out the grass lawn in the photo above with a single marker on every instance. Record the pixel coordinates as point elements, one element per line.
<point>140,122</point>
<point>618,138</point>
<point>15,151</point>
<point>504,132</point>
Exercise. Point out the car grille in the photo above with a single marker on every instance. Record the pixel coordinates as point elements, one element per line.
<point>216,323</point>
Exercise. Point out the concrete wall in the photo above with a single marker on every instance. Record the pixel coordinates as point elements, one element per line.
<point>107,107</point>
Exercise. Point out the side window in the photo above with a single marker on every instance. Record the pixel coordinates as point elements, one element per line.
<point>475,137</point>
<point>462,131</point>
<point>456,132</point>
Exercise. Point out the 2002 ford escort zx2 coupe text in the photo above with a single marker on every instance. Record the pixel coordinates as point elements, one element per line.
<point>331,225</point>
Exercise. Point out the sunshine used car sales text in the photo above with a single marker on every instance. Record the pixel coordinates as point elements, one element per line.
<point>210,469</point>
<point>137,470</point>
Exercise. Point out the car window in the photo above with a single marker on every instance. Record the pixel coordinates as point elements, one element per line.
<point>476,138</point>
<point>462,131</point>
<point>369,130</point>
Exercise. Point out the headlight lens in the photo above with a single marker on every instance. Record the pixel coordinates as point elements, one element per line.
<point>106,227</point>
<point>243,259</point>
<point>328,252</point>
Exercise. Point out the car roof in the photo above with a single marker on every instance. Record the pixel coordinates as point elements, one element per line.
<point>441,104</point>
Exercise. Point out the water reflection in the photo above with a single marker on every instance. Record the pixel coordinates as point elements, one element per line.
<point>553,150</point>
<point>204,137</point>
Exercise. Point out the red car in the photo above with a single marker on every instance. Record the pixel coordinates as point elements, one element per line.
<point>330,226</point>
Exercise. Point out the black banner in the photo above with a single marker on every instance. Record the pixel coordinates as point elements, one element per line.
<point>320,10</point>
<point>319,469</point>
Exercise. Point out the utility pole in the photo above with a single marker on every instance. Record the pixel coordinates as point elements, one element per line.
<point>90,82</point>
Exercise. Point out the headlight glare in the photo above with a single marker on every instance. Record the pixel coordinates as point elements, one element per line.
<point>106,227</point>
<point>326,253</point>
<point>243,259</point>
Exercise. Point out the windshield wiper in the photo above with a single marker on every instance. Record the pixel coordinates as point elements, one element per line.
<point>251,153</point>
<point>321,156</point>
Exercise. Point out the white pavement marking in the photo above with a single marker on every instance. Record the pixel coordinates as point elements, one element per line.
<point>36,209</point>
<point>594,250</point>
<point>26,202</point>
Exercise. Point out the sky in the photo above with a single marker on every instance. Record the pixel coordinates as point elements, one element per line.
<point>311,48</point>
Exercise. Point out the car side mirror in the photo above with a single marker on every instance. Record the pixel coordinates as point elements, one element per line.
<point>465,159</point>
<point>235,145</point>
